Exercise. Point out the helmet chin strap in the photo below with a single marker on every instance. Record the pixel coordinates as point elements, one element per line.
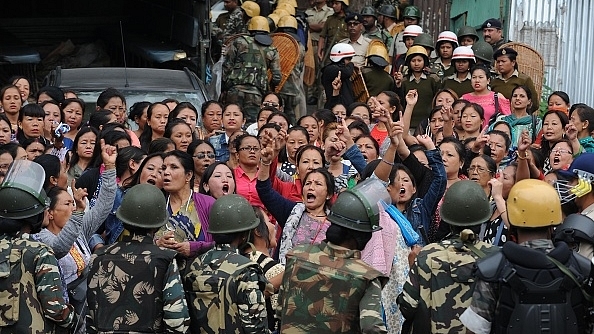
<point>244,244</point>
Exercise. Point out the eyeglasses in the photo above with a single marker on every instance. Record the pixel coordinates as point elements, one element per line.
<point>561,152</point>
<point>353,24</point>
<point>479,169</point>
<point>249,148</point>
<point>270,104</point>
<point>202,155</point>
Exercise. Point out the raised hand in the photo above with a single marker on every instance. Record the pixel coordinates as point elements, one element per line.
<point>334,148</point>
<point>398,77</point>
<point>337,83</point>
<point>446,113</point>
<point>496,188</point>
<point>343,133</point>
<point>524,141</point>
<point>480,141</point>
<point>396,130</point>
<point>426,141</point>
<point>571,131</point>
<point>109,154</point>
<point>79,195</point>
<point>412,96</point>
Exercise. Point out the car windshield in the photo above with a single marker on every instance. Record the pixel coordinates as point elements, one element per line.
<point>133,96</point>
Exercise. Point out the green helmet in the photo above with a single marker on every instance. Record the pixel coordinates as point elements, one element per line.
<point>143,206</point>
<point>465,204</point>
<point>483,51</point>
<point>467,31</point>
<point>357,209</point>
<point>389,11</point>
<point>368,11</point>
<point>412,11</point>
<point>424,40</point>
<point>231,214</point>
<point>21,192</point>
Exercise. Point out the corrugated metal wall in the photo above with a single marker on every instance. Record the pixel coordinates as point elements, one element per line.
<point>436,15</point>
<point>563,32</point>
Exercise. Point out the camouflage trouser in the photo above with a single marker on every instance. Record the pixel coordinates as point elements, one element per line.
<point>249,102</point>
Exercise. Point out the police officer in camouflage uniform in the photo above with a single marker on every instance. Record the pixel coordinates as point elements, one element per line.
<point>293,92</point>
<point>372,30</point>
<point>233,21</point>
<point>245,68</point>
<point>226,289</point>
<point>32,294</point>
<point>135,285</point>
<point>327,288</point>
<point>440,284</point>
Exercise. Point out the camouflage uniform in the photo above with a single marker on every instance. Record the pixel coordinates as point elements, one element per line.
<point>228,24</point>
<point>380,34</point>
<point>226,293</point>
<point>329,289</point>
<point>123,297</point>
<point>292,91</point>
<point>439,69</point>
<point>31,292</point>
<point>245,74</point>
<point>440,285</point>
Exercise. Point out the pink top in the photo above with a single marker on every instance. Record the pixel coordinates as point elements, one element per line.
<point>246,187</point>
<point>488,104</point>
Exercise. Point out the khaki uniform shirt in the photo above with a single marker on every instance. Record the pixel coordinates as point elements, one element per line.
<point>317,16</point>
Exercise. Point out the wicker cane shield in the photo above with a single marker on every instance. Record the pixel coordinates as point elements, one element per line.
<point>360,91</point>
<point>288,51</point>
<point>531,63</point>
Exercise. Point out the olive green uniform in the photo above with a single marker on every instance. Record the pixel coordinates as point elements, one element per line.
<point>460,87</point>
<point>377,80</point>
<point>505,87</point>
<point>427,86</point>
<point>334,30</point>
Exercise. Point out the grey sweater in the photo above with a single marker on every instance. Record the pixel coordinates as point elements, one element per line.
<point>83,225</point>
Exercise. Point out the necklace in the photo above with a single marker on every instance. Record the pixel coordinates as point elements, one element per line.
<point>187,201</point>
<point>314,215</point>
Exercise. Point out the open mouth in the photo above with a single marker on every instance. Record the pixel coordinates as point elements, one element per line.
<point>556,160</point>
<point>474,178</point>
<point>166,180</point>
<point>365,156</point>
<point>151,181</point>
<point>310,197</point>
<point>402,191</point>
<point>225,189</point>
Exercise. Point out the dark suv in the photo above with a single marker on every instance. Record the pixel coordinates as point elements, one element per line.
<point>137,84</point>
